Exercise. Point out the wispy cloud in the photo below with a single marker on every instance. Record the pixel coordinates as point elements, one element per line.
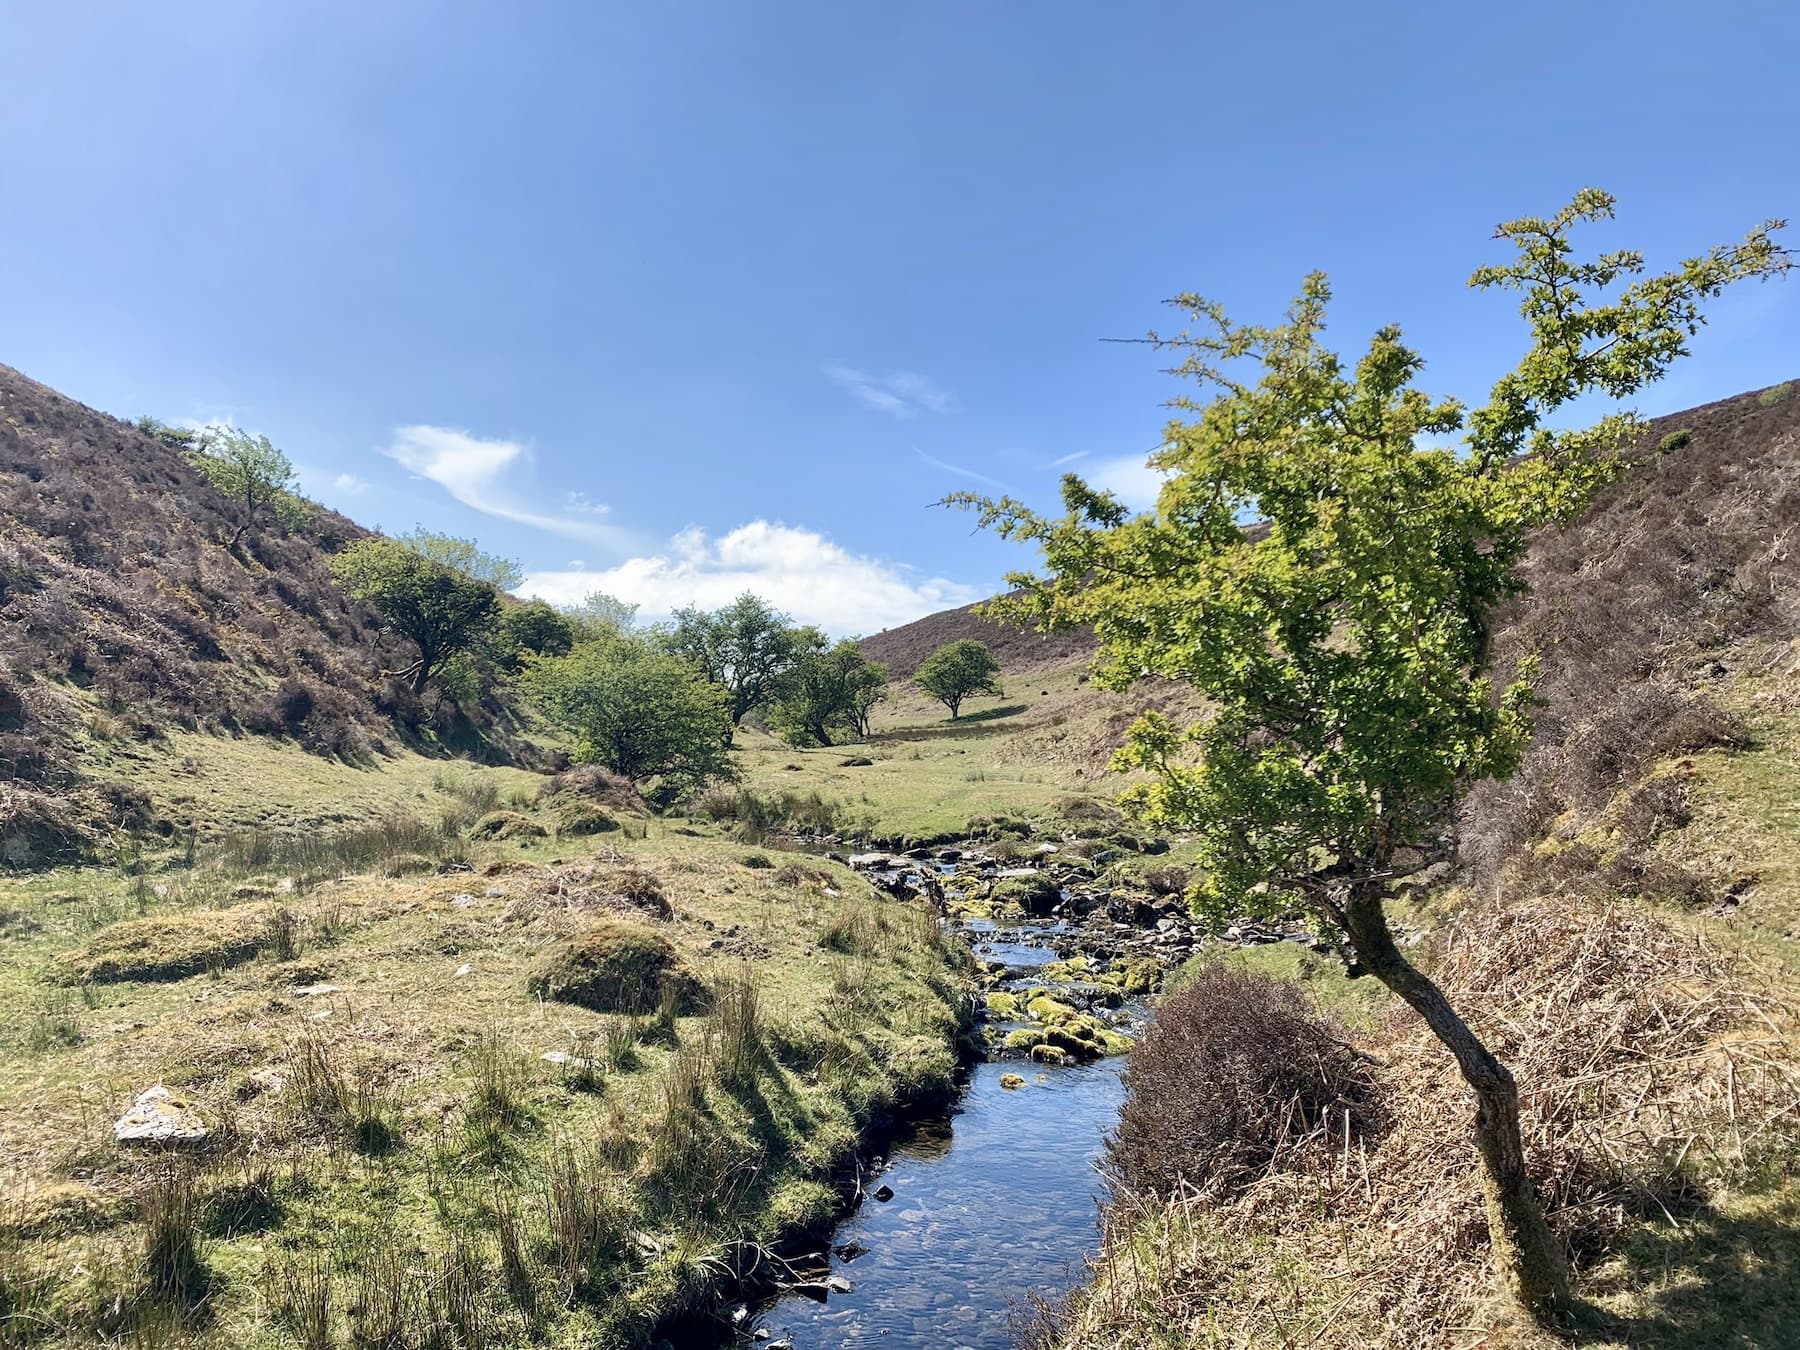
<point>961,472</point>
<point>1066,459</point>
<point>477,473</point>
<point>350,484</point>
<point>797,570</point>
<point>900,393</point>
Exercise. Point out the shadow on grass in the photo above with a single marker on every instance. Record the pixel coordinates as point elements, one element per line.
<point>970,724</point>
<point>1713,1280</point>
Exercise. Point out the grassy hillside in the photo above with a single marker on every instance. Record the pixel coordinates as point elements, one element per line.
<point>124,618</point>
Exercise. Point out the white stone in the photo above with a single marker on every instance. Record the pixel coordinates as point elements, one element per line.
<point>158,1116</point>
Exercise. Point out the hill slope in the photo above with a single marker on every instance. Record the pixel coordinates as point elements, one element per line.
<point>122,615</point>
<point>904,649</point>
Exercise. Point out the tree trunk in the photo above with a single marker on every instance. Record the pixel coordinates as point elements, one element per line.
<point>421,677</point>
<point>1526,1253</point>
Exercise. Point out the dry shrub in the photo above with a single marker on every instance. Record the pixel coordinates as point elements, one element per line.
<point>1233,1075</point>
<point>573,894</point>
<point>1651,1069</point>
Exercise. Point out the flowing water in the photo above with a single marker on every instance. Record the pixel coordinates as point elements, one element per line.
<point>991,1204</point>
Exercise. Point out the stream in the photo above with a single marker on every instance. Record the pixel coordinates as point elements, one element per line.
<point>997,1200</point>
<point>992,1202</point>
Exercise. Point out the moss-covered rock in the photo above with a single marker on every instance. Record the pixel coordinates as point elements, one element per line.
<point>1035,895</point>
<point>1002,1005</point>
<point>618,968</point>
<point>1024,1040</point>
<point>1044,1008</point>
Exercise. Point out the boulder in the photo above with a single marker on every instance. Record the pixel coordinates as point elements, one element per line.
<point>158,1116</point>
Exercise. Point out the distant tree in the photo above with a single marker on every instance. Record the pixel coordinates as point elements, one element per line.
<point>597,612</point>
<point>442,610</point>
<point>176,438</point>
<point>830,691</point>
<point>748,647</point>
<point>465,556</point>
<point>253,473</point>
<point>533,628</point>
<point>637,709</point>
<point>1342,649</point>
<point>956,670</point>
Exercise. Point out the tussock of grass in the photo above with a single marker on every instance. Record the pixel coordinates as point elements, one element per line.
<point>173,946</point>
<point>618,968</point>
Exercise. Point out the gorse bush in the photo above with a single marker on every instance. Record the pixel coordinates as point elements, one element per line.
<point>1233,1074</point>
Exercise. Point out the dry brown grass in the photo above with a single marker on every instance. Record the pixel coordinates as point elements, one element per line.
<point>173,946</point>
<point>1655,1072</point>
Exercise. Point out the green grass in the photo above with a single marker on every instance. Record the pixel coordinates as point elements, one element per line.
<point>1048,737</point>
<point>410,1111</point>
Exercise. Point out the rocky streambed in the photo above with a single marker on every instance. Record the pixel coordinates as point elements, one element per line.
<point>974,1213</point>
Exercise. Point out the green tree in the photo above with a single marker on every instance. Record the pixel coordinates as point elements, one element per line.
<point>956,670</point>
<point>465,556</point>
<point>253,473</point>
<point>597,613</point>
<point>637,709</point>
<point>748,647</point>
<point>533,628</point>
<point>443,611</point>
<point>829,692</point>
<point>1343,647</point>
<point>176,438</point>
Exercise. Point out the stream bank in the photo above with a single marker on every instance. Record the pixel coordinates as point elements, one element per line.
<point>977,1210</point>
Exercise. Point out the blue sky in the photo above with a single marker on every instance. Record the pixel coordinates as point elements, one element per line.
<point>677,299</point>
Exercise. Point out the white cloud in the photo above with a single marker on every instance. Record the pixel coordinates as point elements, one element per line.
<point>350,484</point>
<point>1066,459</point>
<point>797,570</point>
<point>1129,478</point>
<point>899,392</point>
<point>475,472</point>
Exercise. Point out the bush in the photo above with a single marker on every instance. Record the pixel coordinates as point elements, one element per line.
<point>1232,1072</point>
<point>1775,394</point>
<point>618,968</point>
<point>1675,440</point>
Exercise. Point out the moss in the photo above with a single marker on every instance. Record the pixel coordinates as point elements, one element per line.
<point>1024,1039</point>
<point>172,946</point>
<point>1062,972</point>
<point>1044,1008</point>
<point>1032,895</point>
<point>617,968</point>
<point>1048,1054</point>
<point>499,826</point>
<point>1003,1006</point>
<point>923,1069</point>
<point>800,1206</point>
<point>1011,1081</point>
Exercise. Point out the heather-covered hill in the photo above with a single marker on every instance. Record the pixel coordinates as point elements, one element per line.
<point>123,614</point>
<point>904,649</point>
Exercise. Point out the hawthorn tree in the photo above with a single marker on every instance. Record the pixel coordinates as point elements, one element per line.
<point>637,709</point>
<point>250,471</point>
<point>443,611</point>
<point>958,669</point>
<point>465,556</point>
<point>830,691</point>
<point>1342,647</point>
<point>748,647</point>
